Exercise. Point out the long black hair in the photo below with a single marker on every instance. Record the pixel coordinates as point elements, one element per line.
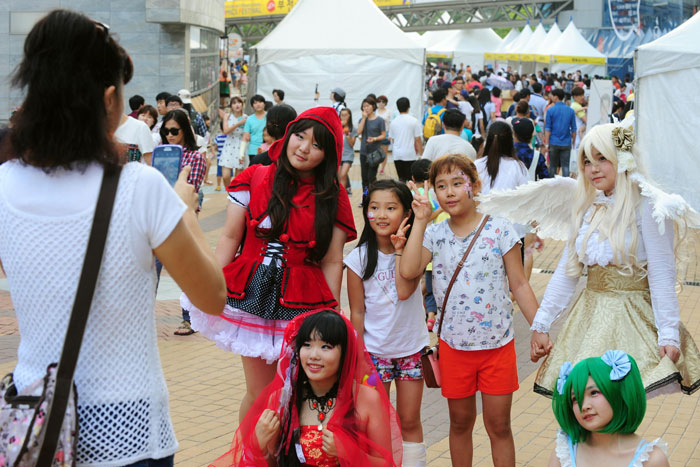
<point>369,236</point>
<point>69,60</point>
<point>330,328</point>
<point>325,190</point>
<point>499,144</point>
<point>190,143</point>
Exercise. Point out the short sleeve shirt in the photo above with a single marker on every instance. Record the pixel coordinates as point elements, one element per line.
<point>255,127</point>
<point>479,313</point>
<point>373,128</point>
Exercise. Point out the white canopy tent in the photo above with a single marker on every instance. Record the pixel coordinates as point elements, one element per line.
<point>665,106</point>
<point>543,60</point>
<point>527,50</point>
<point>307,50</point>
<point>468,46</point>
<point>572,52</point>
<point>512,50</point>
<point>498,57</point>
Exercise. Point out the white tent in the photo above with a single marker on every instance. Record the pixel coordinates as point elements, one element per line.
<point>665,109</point>
<point>498,57</point>
<point>468,46</point>
<point>369,54</point>
<point>533,44</point>
<point>512,49</point>
<point>541,57</point>
<point>572,52</point>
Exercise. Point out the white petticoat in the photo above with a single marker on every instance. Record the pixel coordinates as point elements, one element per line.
<point>239,332</point>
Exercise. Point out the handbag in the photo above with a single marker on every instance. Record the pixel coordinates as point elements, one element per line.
<point>429,355</point>
<point>375,158</point>
<point>39,426</point>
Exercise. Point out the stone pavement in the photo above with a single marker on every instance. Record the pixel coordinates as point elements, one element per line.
<point>206,384</point>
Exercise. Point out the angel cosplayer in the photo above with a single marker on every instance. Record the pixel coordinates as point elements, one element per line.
<point>621,229</point>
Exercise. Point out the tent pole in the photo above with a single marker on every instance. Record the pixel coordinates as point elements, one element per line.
<point>252,80</point>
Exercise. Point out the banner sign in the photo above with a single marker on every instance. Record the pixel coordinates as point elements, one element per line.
<point>599,103</point>
<point>581,60</point>
<point>248,8</point>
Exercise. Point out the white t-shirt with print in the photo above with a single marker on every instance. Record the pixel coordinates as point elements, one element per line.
<point>134,132</point>
<point>404,130</point>
<point>393,328</point>
<point>479,313</point>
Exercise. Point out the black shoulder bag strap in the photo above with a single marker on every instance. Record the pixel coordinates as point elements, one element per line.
<point>79,315</point>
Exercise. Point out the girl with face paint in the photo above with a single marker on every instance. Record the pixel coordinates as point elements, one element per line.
<point>477,351</point>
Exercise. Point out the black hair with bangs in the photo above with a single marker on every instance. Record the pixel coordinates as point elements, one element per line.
<point>326,189</point>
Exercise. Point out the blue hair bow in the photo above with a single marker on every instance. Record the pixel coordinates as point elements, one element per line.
<point>563,374</point>
<point>620,363</point>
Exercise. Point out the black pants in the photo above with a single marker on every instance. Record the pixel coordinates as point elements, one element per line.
<point>403,169</point>
<point>369,174</point>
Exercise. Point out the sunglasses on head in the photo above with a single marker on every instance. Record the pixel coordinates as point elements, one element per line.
<point>171,131</point>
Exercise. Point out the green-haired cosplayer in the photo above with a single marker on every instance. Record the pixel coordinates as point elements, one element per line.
<point>599,404</point>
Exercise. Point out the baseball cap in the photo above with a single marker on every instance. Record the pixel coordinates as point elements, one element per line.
<point>464,93</point>
<point>446,85</point>
<point>185,95</point>
<point>339,92</point>
<point>523,128</point>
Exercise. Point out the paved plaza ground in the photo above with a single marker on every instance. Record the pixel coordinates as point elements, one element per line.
<point>206,384</point>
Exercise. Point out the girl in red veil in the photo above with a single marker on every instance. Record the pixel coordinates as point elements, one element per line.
<point>325,407</point>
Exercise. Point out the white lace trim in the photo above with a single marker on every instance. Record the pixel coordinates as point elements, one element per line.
<point>539,327</point>
<point>644,456</point>
<point>234,338</point>
<point>562,449</point>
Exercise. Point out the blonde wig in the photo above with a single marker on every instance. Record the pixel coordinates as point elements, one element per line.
<point>619,218</point>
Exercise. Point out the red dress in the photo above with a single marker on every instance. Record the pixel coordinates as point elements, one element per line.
<point>271,282</point>
<point>311,441</point>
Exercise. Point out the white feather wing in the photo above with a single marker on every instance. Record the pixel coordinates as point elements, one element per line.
<point>547,202</point>
<point>667,205</point>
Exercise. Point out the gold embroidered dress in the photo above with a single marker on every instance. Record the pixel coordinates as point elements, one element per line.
<point>635,311</point>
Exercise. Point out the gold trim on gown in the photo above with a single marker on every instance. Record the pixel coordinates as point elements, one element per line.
<point>614,313</point>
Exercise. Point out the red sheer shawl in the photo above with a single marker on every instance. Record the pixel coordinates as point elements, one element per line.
<point>358,380</point>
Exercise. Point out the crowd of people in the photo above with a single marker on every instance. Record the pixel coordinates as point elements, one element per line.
<point>474,197</point>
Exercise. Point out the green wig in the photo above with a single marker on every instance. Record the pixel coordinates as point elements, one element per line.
<point>626,396</point>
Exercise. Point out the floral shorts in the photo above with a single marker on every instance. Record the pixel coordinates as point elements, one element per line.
<point>407,368</point>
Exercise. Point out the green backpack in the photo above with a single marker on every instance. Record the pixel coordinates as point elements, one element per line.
<point>433,123</point>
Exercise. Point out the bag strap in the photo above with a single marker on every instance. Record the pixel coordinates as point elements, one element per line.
<point>79,315</point>
<point>456,273</point>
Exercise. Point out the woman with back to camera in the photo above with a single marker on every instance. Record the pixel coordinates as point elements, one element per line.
<point>49,187</point>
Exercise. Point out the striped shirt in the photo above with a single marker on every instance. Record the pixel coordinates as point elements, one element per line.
<point>219,140</point>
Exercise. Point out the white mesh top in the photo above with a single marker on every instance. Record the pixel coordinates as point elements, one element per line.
<point>122,397</point>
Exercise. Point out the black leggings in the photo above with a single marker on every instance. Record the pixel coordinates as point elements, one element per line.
<point>369,174</point>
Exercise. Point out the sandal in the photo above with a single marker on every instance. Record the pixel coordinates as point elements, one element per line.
<point>431,324</point>
<point>184,329</point>
<point>218,188</point>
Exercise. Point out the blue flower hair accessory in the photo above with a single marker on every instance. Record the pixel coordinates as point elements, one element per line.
<point>620,363</point>
<point>563,374</point>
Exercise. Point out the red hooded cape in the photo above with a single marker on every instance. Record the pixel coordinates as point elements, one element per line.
<point>358,380</point>
<point>299,234</point>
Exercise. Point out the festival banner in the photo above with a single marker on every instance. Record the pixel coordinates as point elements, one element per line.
<point>581,60</point>
<point>248,8</point>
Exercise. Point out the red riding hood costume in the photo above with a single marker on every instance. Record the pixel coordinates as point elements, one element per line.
<point>271,282</point>
<point>358,379</point>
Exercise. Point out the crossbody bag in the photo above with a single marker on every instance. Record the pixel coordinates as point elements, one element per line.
<point>429,355</point>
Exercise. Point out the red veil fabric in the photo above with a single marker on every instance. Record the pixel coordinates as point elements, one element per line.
<point>358,379</point>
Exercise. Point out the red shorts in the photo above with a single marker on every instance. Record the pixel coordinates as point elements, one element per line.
<point>491,371</point>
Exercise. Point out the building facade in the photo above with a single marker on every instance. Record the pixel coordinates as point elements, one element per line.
<point>174,44</point>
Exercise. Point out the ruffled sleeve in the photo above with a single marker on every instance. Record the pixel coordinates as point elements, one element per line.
<point>343,217</point>
<point>557,296</point>
<point>661,266</point>
<point>646,450</point>
<point>562,449</point>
